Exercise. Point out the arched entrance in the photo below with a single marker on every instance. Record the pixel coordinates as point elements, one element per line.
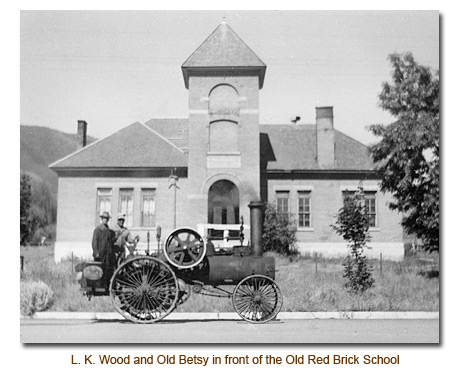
<point>223,203</point>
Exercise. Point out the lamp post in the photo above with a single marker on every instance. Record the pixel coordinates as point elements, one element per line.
<point>173,182</point>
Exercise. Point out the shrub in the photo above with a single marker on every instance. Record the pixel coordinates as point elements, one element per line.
<point>44,235</point>
<point>279,232</point>
<point>34,297</point>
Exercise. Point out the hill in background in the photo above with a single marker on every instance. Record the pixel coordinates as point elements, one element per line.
<point>40,147</point>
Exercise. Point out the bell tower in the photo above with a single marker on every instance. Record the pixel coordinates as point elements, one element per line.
<point>223,77</point>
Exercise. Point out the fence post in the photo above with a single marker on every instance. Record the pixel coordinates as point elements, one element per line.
<point>380,264</point>
<point>21,262</point>
<point>158,236</point>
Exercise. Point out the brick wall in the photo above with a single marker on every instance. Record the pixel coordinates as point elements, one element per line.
<point>77,210</point>
<point>326,200</point>
<point>241,168</point>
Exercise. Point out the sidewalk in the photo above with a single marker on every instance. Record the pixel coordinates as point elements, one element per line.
<point>234,316</point>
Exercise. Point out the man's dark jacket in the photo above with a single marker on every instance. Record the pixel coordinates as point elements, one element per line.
<point>102,243</point>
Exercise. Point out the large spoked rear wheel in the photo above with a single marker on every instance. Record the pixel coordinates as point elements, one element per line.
<point>144,289</point>
<point>184,248</point>
<point>257,299</point>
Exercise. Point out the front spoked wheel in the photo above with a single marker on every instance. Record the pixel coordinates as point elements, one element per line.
<point>257,299</point>
<point>144,290</point>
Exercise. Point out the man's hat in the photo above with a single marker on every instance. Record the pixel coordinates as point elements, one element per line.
<point>121,216</point>
<point>105,214</point>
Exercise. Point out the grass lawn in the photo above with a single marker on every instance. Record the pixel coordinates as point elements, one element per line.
<point>306,285</point>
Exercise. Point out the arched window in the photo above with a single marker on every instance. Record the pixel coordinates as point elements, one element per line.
<point>223,137</point>
<point>223,99</point>
<point>223,203</point>
<point>223,116</point>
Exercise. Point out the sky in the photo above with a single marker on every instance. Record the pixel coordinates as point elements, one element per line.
<point>113,68</point>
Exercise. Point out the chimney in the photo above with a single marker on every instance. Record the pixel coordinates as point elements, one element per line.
<point>325,137</point>
<point>82,134</point>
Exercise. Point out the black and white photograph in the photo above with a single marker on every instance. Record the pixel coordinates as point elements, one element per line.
<point>230,178</point>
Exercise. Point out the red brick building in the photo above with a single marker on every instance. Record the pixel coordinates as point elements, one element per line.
<point>222,158</point>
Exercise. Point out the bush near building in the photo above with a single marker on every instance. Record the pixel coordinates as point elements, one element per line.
<point>279,232</point>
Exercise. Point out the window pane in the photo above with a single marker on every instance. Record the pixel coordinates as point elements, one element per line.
<point>126,205</point>
<point>148,208</point>
<point>104,198</point>
<point>306,220</point>
<point>282,199</point>
<point>370,205</point>
<point>306,207</point>
<point>370,199</point>
<point>304,210</point>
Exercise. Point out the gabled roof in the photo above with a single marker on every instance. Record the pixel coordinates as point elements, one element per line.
<point>159,143</point>
<point>224,51</point>
<point>136,145</point>
<point>294,148</point>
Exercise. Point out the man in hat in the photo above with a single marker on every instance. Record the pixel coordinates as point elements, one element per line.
<point>102,241</point>
<point>123,239</point>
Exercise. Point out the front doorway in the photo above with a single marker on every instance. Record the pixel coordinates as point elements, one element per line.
<point>223,203</point>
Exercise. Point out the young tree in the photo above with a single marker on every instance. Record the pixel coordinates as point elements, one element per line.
<point>25,206</point>
<point>279,232</point>
<point>408,153</point>
<point>353,224</point>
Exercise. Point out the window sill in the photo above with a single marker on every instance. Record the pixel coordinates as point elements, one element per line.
<point>223,153</point>
<point>374,229</point>
<point>305,229</point>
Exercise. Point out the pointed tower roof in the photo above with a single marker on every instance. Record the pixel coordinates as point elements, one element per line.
<point>223,52</point>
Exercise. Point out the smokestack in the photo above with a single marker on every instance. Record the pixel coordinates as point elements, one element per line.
<point>82,133</point>
<point>325,137</point>
<point>256,210</point>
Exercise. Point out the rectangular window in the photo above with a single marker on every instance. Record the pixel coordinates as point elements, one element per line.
<point>282,199</point>
<point>125,205</point>
<point>148,208</point>
<point>370,205</point>
<point>304,210</point>
<point>104,199</point>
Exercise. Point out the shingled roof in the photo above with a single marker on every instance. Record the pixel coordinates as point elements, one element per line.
<point>136,145</point>
<point>176,130</point>
<point>293,147</point>
<point>223,50</point>
<point>163,143</point>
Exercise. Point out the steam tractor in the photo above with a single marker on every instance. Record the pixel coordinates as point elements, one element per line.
<point>147,288</point>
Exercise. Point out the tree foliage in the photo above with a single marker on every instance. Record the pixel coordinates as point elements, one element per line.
<point>42,212</point>
<point>279,232</point>
<point>37,211</point>
<point>353,224</point>
<point>25,206</point>
<point>408,153</point>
